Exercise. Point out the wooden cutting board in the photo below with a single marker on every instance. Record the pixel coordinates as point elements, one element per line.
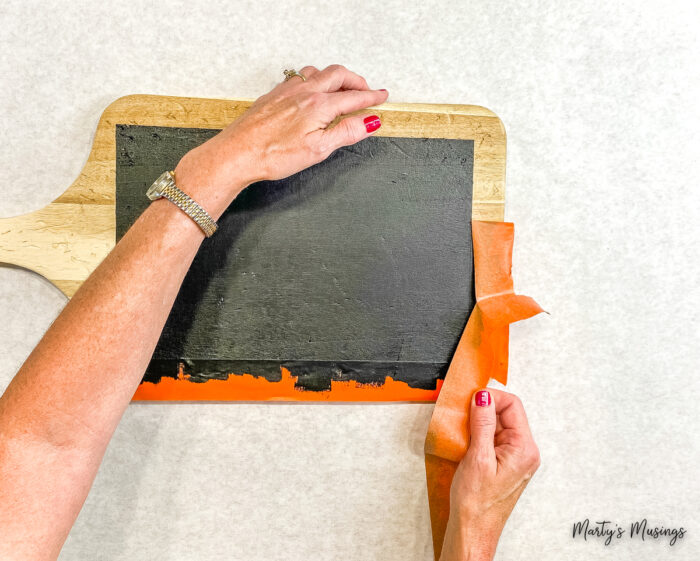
<point>138,135</point>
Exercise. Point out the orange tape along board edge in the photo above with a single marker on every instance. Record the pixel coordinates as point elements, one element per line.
<point>246,387</point>
<point>481,354</point>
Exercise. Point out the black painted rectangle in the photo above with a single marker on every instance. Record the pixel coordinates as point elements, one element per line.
<point>356,268</point>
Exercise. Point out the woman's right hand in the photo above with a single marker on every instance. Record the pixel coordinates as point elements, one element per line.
<point>501,458</point>
<point>281,133</point>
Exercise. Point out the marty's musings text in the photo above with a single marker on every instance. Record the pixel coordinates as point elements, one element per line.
<point>607,531</point>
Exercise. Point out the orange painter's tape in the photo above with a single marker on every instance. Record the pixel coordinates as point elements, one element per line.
<point>245,387</point>
<point>481,354</point>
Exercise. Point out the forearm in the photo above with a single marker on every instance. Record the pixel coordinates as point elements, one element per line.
<point>60,411</point>
<point>62,407</point>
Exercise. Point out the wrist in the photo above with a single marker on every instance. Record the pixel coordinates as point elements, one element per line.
<point>213,180</point>
<point>470,539</point>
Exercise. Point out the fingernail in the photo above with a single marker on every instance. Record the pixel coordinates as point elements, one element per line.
<point>382,89</point>
<point>372,123</point>
<point>483,398</point>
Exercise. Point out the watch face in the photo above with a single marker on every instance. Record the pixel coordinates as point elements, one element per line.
<point>152,192</point>
<point>155,191</point>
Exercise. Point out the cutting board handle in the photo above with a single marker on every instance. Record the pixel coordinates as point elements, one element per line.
<point>66,240</point>
<point>62,242</point>
<point>21,235</point>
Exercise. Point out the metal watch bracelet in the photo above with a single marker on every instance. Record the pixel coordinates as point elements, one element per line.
<point>165,186</point>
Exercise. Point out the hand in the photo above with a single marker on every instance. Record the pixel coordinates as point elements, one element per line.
<point>283,132</point>
<point>501,459</point>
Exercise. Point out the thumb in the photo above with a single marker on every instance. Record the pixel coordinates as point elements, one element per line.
<point>351,130</point>
<point>482,421</point>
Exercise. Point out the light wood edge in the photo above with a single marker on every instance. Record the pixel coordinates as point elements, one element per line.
<point>68,238</point>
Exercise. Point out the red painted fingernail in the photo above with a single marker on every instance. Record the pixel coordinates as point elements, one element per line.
<point>483,398</point>
<point>382,89</point>
<point>372,123</point>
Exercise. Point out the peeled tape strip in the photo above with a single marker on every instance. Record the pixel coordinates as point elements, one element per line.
<point>481,354</point>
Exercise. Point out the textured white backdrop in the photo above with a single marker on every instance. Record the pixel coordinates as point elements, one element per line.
<point>598,100</point>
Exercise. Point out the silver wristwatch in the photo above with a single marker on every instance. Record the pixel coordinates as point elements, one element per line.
<point>165,186</point>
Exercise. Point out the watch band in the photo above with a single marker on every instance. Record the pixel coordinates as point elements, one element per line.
<point>165,186</point>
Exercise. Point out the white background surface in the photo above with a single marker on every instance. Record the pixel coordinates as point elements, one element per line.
<point>602,183</point>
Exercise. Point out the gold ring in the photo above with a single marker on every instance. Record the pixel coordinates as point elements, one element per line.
<point>291,73</point>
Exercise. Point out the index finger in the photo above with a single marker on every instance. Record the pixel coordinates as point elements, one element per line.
<point>342,103</point>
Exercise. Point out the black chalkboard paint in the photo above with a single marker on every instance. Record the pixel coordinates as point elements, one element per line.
<point>354,269</point>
